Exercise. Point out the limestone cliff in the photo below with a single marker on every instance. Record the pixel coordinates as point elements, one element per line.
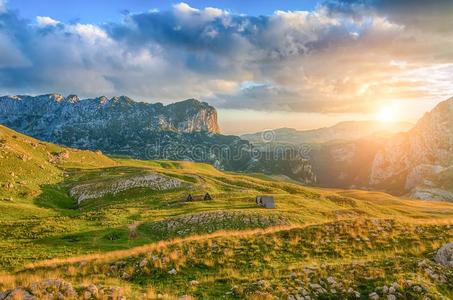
<point>413,161</point>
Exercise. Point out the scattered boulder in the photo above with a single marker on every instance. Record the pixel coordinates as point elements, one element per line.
<point>143,263</point>
<point>444,255</point>
<point>125,276</point>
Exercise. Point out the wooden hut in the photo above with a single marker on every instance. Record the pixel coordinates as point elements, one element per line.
<point>265,201</point>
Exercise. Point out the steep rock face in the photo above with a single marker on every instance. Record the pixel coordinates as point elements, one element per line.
<point>192,116</point>
<point>81,123</point>
<point>411,161</point>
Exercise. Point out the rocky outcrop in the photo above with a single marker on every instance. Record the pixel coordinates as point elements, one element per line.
<point>99,189</point>
<point>60,289</point>
<point>412,161</point>
<point>191,116</point>
<point>444,255</point>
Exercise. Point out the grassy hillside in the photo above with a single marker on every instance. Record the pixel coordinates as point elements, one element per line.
<point>322,243</point>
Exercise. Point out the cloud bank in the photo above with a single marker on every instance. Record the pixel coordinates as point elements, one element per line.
<point>344,56</point>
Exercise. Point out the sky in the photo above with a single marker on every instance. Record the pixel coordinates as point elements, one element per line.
<point>262,64</point>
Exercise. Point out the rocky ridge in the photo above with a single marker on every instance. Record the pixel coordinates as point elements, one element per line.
<point>50,117</point>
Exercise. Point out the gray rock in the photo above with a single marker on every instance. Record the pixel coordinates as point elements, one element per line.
<point>444,255</point>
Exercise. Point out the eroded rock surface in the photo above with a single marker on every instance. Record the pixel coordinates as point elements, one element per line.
<point>444,255</point>
<point>60,289</point>
<point>95,190</point>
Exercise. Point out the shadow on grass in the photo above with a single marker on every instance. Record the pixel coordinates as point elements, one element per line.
<point>103,240</point>
<point>55,196</point>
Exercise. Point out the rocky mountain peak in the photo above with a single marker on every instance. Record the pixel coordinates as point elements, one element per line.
<point>72,99</point>
<point>53,97</point>
<point>103,99</point>
<point>52,117</point>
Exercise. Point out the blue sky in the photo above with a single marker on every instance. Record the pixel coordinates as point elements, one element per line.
<point>111,10</point>
<point>262,64</point>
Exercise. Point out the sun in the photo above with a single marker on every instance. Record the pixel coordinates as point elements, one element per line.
<point>387,114</point>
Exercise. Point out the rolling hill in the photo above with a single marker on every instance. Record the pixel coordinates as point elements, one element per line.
<point>79,224</point>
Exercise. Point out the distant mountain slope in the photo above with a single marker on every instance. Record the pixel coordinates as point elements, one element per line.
<point>186,130</point>
<point>344,131</point>
<point>418,161</point>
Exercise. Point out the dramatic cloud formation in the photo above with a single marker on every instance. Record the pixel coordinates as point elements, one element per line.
<point>344,56</point>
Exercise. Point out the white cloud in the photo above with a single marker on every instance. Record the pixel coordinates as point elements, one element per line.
<point>90,33</point>
<point>46,21</point>
<point>302,60</point>
<point>213,12</point>
<point>185,8</point>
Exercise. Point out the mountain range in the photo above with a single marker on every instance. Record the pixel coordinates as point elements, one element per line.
<point>399,158</point>
<point>417,163</point>
<point>118,126</point>
<point>93,122</point>
<point>364,154</point>
<point>343,131</point>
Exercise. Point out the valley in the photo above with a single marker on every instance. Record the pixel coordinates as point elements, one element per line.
<point>147,241</point>
<point>398,158</point>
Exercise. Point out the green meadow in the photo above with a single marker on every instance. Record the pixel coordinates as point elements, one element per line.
<point>152,243</point>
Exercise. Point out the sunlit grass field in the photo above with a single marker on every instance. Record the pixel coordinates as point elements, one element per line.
<point>317,243</point>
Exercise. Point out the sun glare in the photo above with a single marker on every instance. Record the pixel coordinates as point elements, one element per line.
<point>387,114</point>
